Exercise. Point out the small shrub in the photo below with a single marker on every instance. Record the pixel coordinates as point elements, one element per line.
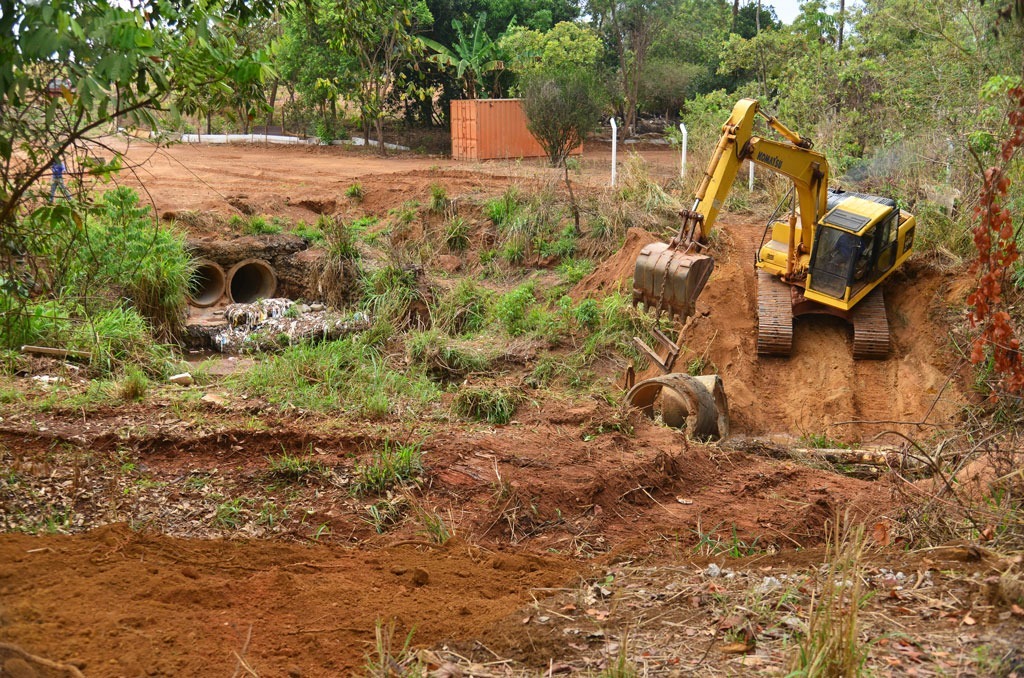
<point>575,270</point>
<point>562,246</point>
<point>494,405</point>
<point>134,385</point>
<point>587,314</point>
<point>355,192</point>
<point>510,309</point>
<point>438,198</point>
<point>561,108</point>
<point>392,465</point>
<point>456,234</point>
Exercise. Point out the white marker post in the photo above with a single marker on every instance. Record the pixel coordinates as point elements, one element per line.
<point>615,143</point>
<point>750,181</point>
<point>682,166</point>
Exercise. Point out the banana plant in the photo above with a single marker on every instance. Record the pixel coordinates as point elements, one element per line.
<point>473,55</point>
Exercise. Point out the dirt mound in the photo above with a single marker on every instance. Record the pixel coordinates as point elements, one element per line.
<point>616,272</point>
<point>114,601</point>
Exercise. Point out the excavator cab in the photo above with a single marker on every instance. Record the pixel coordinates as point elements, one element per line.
<point>856,243</point>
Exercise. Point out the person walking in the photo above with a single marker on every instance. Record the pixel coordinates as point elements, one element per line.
<point>57,181</point>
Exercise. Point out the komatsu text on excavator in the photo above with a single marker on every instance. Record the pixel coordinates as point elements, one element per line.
<point>824,251</point>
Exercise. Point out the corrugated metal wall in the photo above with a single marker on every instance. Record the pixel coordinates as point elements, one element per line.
<point>484,129</point>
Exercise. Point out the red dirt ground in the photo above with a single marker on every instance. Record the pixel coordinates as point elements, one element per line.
<point>535,504</point>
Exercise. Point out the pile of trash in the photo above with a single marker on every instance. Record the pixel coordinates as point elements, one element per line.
<point>270,324</point>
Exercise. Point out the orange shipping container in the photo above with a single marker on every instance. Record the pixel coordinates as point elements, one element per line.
<point>484,129</point>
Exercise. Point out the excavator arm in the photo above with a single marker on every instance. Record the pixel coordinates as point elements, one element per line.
<point>669,277</point>
<point>792,158</point>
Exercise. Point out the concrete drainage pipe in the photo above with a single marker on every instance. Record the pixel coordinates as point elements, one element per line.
<point>696,404</point>
<point>206,287</point>
<point>251,280</point>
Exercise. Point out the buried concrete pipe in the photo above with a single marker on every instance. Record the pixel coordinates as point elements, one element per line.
<point>251,280</point>
<point>206,287</point>
<point>696,404</point>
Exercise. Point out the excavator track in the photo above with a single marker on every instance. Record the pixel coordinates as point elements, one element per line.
<point>870,328</point>
<point>774,316</point>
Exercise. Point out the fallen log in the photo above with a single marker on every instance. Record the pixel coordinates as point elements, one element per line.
<point>56,352</point>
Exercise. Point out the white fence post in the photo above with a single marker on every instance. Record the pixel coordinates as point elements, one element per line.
<point>682,167</point>
<point>615,143</point>
<point>750,181</point>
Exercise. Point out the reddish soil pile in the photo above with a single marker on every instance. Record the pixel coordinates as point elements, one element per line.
<point>615,272</point>
<point>123,603</point>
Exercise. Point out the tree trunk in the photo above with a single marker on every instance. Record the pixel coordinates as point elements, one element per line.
<point>735,9</point>
<point>572,196</point>
<point>379,124</point>
<point>842,23</point>
<point>270,113</point>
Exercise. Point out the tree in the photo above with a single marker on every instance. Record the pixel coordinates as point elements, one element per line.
<point>567,46</point>
<point>561,109</point>
<point>378,37</point>
<point>70,69</point>
<point>471,56</point>
<point>630,28</point>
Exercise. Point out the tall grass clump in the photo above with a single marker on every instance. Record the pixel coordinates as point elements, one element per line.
<point>337,278</point>
<point>494,405</point>
<point>831,646</point>
<point>503,209</point>
<point>389,294</point>
<point>392,465</point>
<point>443,358</point>
<point>462,310</point>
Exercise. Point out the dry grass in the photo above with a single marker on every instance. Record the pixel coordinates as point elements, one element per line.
<point>831,646</point>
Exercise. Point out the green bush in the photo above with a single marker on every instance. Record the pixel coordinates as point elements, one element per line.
<point>511,309</point>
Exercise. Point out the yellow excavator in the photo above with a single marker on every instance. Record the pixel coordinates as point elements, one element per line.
<point>824,251</point>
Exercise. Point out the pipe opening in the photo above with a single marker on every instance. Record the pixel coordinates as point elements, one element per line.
<point>251,280</point>
<point>206,286</point>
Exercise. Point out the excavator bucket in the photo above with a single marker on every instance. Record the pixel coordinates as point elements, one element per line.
<point>669,280</point>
